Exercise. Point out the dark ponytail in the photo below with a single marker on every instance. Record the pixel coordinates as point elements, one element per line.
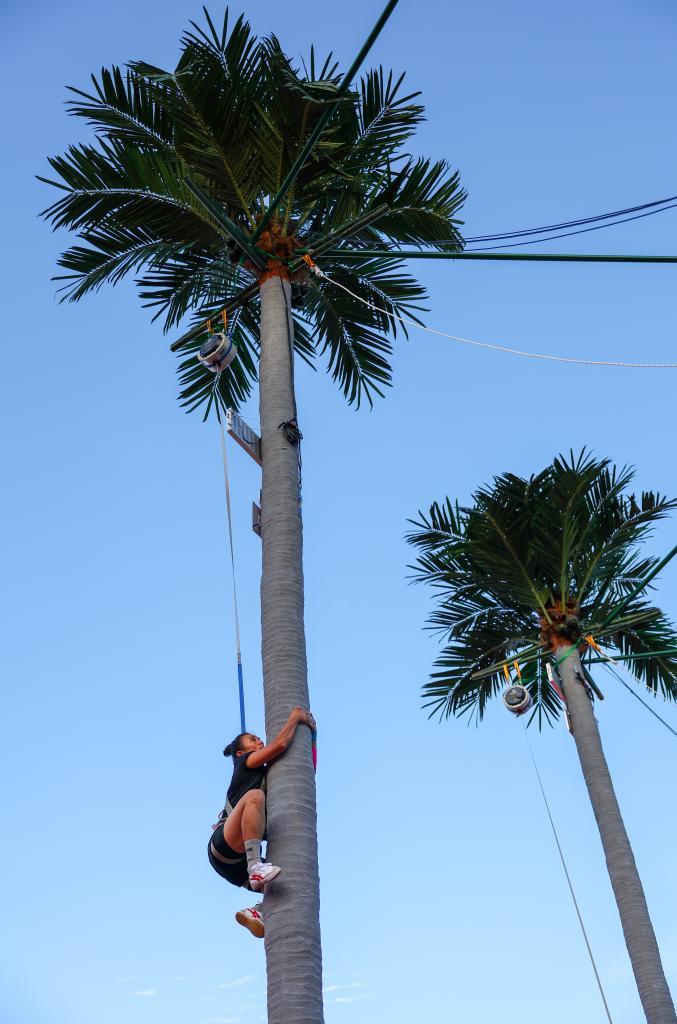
<point>234,746</point>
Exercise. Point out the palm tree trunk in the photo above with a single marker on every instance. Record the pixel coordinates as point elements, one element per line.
<point>637,928</point>
<point>291,908</point>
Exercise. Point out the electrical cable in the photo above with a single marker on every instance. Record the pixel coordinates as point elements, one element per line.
<point>658,206</point>
<point>569,234</point>
<point>576,223</point>
<point>568,877</point>
<point>488,345</point>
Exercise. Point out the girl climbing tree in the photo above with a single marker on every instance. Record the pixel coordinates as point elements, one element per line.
<point>203,181</point>
<point>234,849</point>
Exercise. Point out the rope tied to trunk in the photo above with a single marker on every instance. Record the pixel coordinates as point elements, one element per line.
<point>408,322</point>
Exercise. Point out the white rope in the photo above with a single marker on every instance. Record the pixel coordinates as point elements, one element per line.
<point>224,456</point>
<point>485,344</point>
<point>240,678</point>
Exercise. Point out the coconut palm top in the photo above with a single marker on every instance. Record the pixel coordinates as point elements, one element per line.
<point>233,116</point>
<point>534,563</point>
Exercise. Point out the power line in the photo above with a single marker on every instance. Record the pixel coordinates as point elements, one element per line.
<point>577,223</point>
<point>599,221</point>
<point>581,231</point>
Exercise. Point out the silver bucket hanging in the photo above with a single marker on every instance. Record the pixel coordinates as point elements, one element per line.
<point>517,699</point>
<point>217,352</point>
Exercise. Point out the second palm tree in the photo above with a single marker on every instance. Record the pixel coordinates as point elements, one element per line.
<point>526,573</point>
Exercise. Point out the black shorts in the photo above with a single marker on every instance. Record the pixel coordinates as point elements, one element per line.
<point>233,867</point>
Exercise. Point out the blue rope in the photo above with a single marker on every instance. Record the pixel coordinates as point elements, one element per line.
<point>240,686</point>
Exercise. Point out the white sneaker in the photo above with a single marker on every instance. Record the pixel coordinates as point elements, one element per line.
<point>252,918</point>
<point>260,874</point>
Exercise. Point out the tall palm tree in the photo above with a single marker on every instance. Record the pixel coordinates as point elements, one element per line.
<point>227,125</point>
<point>526,572</point>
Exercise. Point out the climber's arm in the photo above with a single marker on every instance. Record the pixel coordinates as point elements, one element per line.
<point>276,747</point>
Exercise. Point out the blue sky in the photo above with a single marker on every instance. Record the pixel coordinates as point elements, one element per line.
<point>119,655</point>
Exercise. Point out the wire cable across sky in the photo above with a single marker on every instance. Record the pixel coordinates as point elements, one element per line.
<point>529,236</point>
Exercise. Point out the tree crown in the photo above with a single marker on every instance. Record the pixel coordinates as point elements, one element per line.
<point>534,563</point>
<point>233,116</point>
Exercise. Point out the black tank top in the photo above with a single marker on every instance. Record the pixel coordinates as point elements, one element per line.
<point>244,779</point>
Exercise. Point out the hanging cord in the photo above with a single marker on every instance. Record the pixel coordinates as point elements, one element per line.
<point>637,696</point>
<point>240,678</point>
<point>568,877</point>
<point>485,344</point>
<point>608,664</point>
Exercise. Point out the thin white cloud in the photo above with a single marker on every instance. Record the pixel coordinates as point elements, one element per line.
<point>338,988</point>
<point>236,982</point>
<point>185,977</point>
<point>148,993</point>
<point>351,999</point>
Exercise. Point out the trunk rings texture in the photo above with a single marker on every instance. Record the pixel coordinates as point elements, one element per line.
<point>637,928</point>
<point>291,907</point>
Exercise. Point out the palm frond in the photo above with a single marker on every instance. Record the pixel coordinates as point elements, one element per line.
<point>423,198</point>
<point>111,253</point>
<point>652,633</point>
<point>126,108</point>
<point>354,336</point>
<point>189,281</point>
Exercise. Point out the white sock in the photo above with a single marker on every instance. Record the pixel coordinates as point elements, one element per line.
<point>252,847</point>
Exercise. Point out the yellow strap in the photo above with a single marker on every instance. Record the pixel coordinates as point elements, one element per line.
<point>308,261</point>
<point>224,317</point>
<point>506,673</point>
<point>517,669</point>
